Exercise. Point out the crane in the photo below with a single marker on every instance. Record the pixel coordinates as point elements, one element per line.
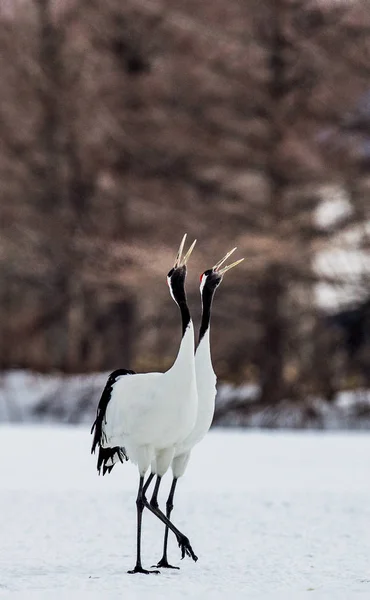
<point>206,386</point>
<point>141,417</point>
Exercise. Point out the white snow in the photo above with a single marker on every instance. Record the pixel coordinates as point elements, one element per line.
<point>334,206</point>
<point>346,258</point>
<point>270,514</point>
<point>27,397</point>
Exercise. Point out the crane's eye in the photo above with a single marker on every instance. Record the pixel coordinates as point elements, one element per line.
<point>170,273</point>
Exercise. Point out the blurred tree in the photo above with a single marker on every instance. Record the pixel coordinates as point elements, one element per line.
<point>122,125</point>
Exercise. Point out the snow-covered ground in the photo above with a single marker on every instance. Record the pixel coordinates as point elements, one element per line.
<point>277,515</point>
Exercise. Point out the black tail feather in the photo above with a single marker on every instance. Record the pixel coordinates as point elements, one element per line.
<point>111,455</point>
<point>107,455</point>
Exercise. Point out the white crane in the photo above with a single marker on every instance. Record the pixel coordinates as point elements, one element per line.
<point>142,417</point>
<point>206,385</point>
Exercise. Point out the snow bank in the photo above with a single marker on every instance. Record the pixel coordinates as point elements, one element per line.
<point>30,397</point>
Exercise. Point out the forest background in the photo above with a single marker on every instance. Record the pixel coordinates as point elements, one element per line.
<point>243,123</point>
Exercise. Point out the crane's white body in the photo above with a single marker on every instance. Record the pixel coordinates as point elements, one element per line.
<point>206,378</point>
<point>206,387</point>
<point>142,417</point>
<point>150,414</point>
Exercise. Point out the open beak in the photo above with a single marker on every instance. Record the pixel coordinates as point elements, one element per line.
<point>181,262</point>
<point>217,266</point>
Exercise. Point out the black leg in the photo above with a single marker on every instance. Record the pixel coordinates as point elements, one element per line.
<point>169,506</point>
<point>140,507</point>
<point>148,482</point>
<point>154,498</point>
<point>182,540</point>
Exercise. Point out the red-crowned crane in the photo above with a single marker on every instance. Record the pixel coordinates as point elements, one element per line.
<point>206,386</point>
<point>142,417</point>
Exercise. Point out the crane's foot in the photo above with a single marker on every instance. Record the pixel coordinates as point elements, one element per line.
<point>186,549</point>
<point>138,569</point>
<point>164,564</point>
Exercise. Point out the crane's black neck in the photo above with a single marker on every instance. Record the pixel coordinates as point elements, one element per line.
<point>185,316</point>
<point>178,291</point>
<point>207,298</point>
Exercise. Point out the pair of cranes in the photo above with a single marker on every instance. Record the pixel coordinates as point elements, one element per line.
<point>155,419</point>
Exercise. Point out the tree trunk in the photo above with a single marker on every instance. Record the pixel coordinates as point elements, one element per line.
<point>272,292</point>
<point>50,89</point>
<point>273,285</point>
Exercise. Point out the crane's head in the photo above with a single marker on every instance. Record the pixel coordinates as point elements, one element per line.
<point>212,278</point>
<point>176,276</point>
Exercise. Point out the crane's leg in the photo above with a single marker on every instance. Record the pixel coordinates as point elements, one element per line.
<point>148,482</point>
<point>169,506</point>
<point>140,503</point>
<point>182,540</point>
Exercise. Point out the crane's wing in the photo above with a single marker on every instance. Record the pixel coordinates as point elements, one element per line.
<point>107,457</point>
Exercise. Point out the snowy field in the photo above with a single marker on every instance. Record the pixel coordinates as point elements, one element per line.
<point>270,514</point>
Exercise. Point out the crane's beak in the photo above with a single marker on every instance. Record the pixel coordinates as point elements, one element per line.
<point>217,266</point>
<point>181,262</point>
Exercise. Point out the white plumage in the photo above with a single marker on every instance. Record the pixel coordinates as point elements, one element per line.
<point>148,414</point>
<point>205,375</point>
<point>206,387</point>
<point>142,417</point>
